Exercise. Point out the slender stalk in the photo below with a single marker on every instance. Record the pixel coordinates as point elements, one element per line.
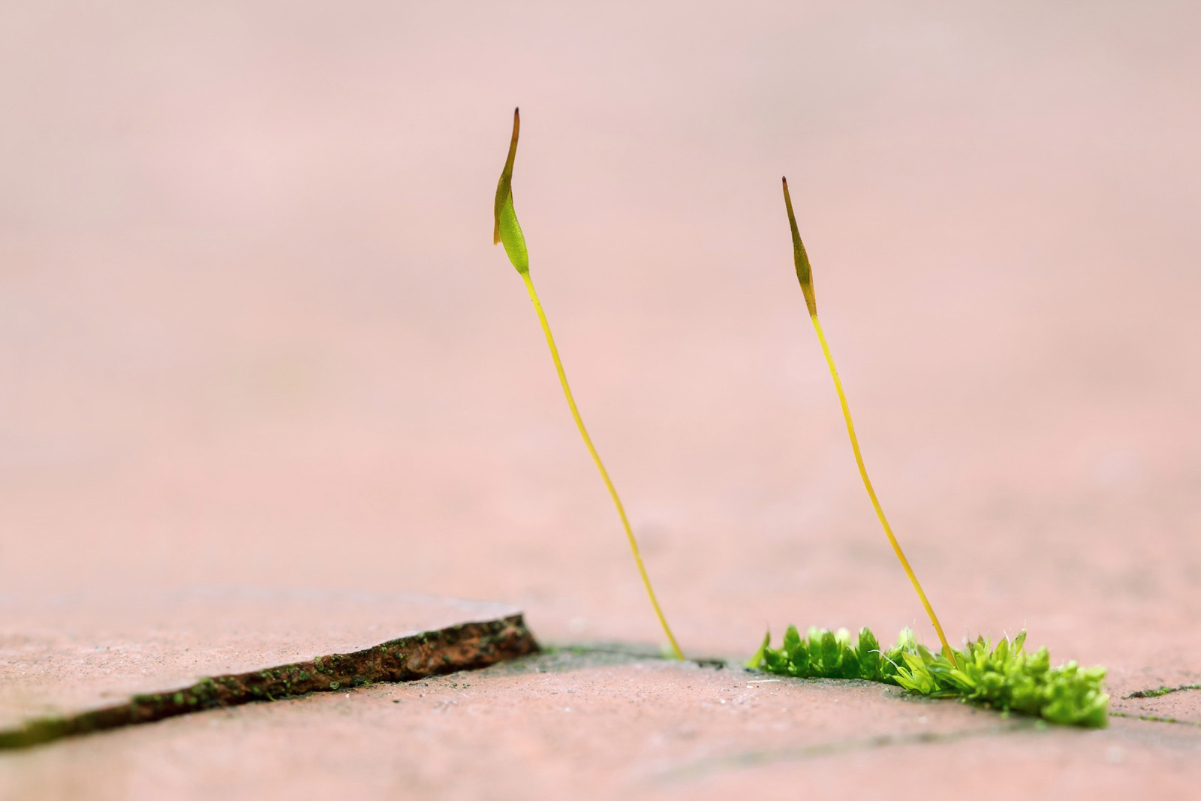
<point>507,231</point>
<point>871,493</point>
<point>579,421</point>
<point>805,276</point>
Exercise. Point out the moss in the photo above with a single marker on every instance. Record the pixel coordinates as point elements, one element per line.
<point>1003,677</point>
<point>1158,691</point>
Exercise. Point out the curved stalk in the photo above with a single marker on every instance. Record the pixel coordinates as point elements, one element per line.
<point>507,231</point>
<point>871,493</point>
<point>805,276</point>
<point>600,466</point>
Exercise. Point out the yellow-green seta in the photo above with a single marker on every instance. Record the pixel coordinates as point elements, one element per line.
<point>507,231</point>
<point>804,275</point>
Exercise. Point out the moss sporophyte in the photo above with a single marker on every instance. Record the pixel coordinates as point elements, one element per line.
<point>507,231</point>
<point>804,274</point>
<point>1004,677</point>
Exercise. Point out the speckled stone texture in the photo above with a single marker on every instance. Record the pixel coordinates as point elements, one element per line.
<point>610,725</point>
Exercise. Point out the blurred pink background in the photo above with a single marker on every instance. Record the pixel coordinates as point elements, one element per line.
<point>254,331</point>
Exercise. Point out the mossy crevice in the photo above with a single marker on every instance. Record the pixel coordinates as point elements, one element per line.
<point>1154,718</point>
<point>1158,691</point>
<point>1002,676</point>
<point>465,646</point>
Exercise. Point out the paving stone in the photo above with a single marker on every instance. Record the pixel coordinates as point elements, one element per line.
<point>253,332</point>
<point>609,725</point>
<point>83,663</point>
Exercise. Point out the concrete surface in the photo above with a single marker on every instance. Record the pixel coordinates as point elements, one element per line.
<point>254,333</point>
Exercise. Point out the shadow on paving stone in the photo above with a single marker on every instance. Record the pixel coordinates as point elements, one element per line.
<point>571,657</point>
<point>82,664</point>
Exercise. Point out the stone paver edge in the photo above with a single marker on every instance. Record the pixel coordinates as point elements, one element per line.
<point>464,646</point>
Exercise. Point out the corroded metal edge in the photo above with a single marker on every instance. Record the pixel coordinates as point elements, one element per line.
<point>465,646</point>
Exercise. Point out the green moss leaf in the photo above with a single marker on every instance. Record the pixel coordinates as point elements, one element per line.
<point>792,639</point>
<point>757,660</point>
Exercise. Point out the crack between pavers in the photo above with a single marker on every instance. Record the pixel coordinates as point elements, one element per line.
<point>769,756</point>
<point>638,651</point>
<point>466,646</point>
<point>1154,719</point>
<point>560,658</point>
<point>1158,691</point>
